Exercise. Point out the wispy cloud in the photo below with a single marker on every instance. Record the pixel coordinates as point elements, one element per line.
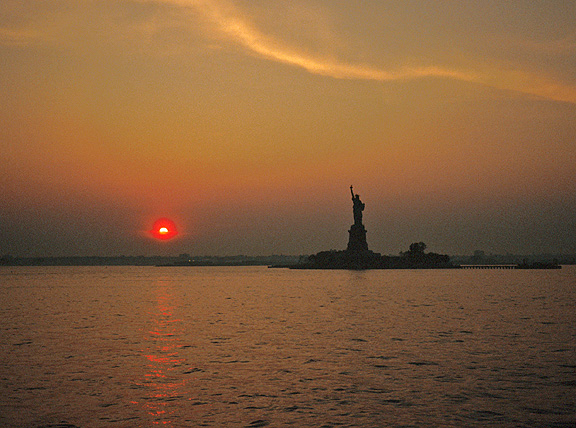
<point>230,22</point>
<point>18,37</point>
<point>561,46</point>
<point>235,25</point>
<point>531,84</point>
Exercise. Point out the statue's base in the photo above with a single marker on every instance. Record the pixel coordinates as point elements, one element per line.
<point>346,259</point>
<point>357,241</point>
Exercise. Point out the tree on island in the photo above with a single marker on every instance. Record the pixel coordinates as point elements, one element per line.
<point>416,249</point>
<point>417,255</point>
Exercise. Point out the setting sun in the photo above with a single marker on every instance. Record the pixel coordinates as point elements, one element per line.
<point>164,229</point>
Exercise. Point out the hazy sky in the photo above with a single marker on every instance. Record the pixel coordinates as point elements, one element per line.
<point>245,122</point>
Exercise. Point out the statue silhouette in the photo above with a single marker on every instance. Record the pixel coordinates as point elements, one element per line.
<point>358,207</point>
<point>358,256</point>
<point>357,242</point>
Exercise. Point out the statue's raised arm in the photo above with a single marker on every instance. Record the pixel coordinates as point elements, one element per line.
<point>352,191</point>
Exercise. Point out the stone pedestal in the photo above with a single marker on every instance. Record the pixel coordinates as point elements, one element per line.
<point>357,241</point>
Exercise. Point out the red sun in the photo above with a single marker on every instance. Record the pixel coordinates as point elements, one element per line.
<point>164,229</point>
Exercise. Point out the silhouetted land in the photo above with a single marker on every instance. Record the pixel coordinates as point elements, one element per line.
<point>182,260</point>
<point>347,259</point>
<point>273,260</point>
<point>357,255</point>
<point>481,258</point>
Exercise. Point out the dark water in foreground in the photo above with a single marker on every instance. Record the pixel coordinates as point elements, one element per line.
<point>251,347</point>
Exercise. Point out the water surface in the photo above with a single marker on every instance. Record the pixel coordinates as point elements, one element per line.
<point>250,346</point>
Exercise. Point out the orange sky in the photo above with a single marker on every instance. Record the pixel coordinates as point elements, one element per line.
<point>246,122</point>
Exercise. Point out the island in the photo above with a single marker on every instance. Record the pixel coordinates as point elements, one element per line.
<point>357,255</point>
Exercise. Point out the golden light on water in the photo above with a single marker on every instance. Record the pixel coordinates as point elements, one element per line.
<point>162,379</point>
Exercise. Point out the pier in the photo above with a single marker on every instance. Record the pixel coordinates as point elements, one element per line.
<point>488,266</point>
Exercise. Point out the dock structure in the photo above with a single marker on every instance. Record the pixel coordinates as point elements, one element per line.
<point>488,266</point>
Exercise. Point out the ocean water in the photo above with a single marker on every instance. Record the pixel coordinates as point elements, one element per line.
<point>252,347</point>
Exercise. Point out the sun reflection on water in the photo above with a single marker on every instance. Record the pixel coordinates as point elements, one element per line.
<point>163,379</point>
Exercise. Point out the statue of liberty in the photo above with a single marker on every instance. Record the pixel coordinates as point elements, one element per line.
<point>358,207</point>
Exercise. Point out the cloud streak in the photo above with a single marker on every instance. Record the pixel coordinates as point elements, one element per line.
<point>228,21</point>
<point>18,37</point>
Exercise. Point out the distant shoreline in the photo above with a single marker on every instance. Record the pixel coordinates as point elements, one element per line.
<point>242,260</point>
<point>182,260</point>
